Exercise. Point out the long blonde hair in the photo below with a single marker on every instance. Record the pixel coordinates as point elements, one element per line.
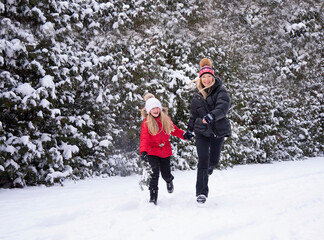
<point>152,125</point>
<point>203,90</point>
<point>200,86</point>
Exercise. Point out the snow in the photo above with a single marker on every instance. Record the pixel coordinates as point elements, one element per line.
<point>55,112</point>
<point>47,82</point>
<point>89,143</point>
<point>12,163</point>
<point>24,140</point>
<point>2,8</point>
<point>10,149</point>
<point>99,98</point>
<point>283,200</point>
<point>48,28</point>
<point>39,13</point>
<point>68,150</point>
<point>56,174</point>
<point>45,137</point>
<point>44,103</point>
<point>295,27</point>
<point>25,89</point>
<point>104,143</point>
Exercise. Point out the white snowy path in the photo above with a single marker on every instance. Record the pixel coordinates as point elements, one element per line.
<point>284,200</point>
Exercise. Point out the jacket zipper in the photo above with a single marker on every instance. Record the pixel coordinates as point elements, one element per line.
<point>162,146</point>
<point>206,108</point>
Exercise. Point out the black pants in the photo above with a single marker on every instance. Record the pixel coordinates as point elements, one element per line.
<point>159,164</point>
<point>208,149</point>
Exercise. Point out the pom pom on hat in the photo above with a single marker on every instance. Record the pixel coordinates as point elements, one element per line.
<point>147,96</point>
<point>205,67</point>
<point>151,102</point>
<point>205,62</point>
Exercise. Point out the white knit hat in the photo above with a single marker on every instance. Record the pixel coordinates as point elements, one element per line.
<point>152,103</point>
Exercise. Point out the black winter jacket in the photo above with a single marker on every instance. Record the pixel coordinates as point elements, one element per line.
<point>217,104</point>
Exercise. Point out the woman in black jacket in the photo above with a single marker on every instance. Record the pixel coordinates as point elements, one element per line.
<point>209,106</point>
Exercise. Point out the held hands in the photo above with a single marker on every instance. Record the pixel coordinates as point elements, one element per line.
<point>208,118</point>
<point>144,156</point>
<point>188,135</point>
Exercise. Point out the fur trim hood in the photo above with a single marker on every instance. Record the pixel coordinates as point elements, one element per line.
<point>144,113</point>
<point>149,97</point>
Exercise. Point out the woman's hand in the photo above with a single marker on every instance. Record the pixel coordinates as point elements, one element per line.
<point>208,118</point>
<point>204,121</point>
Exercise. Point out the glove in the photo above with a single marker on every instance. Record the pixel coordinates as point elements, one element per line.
<point>144,156</point>
<point>188,135</point>
<point>209,118</point>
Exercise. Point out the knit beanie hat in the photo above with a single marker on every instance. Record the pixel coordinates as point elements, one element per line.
<point>205,67</point>
<point>151,102</point>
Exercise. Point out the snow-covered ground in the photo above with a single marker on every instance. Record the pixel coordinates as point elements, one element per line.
<point>283,200</point>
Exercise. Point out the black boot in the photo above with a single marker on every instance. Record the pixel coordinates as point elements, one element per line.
<point>201,198</point>
<point>153,195</point>
<point>170,187</point>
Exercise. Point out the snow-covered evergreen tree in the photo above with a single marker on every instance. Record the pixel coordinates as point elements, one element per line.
<point>73,73</point>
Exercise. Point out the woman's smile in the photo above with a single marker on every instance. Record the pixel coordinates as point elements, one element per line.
<point>207,79</point>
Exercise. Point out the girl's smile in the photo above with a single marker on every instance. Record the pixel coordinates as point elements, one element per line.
<point>155,112</point>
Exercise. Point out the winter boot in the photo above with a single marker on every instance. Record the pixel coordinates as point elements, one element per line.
<point>170,187</point>
<point>153,196</point>
<point>201,198</point>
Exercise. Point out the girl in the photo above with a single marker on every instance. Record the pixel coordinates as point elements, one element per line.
<point>155,147</point>
<point>208,110</point>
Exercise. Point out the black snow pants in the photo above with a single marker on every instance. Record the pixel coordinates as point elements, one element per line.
<point>159,165</point>
<point>209,150</point>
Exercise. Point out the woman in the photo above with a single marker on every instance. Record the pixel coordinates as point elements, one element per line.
<point>155,146</point>
<point>209,106</point>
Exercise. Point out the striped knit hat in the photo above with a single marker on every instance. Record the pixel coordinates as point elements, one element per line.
<point>205,67</point>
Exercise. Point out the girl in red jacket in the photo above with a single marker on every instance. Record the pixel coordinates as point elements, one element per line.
<point>155,147</point>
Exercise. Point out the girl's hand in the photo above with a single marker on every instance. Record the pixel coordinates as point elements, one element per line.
<point>144,156</point>
<point>204,121</point>
<point>187,135</point>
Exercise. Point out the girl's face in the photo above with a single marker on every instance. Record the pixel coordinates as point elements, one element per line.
<point>155,112</point>
<point>207,79</point>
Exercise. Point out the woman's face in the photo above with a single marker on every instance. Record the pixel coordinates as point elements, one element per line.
<point>207,79</point>
<point>155,112</point>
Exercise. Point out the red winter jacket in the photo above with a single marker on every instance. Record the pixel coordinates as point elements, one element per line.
<point>157,145</point>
